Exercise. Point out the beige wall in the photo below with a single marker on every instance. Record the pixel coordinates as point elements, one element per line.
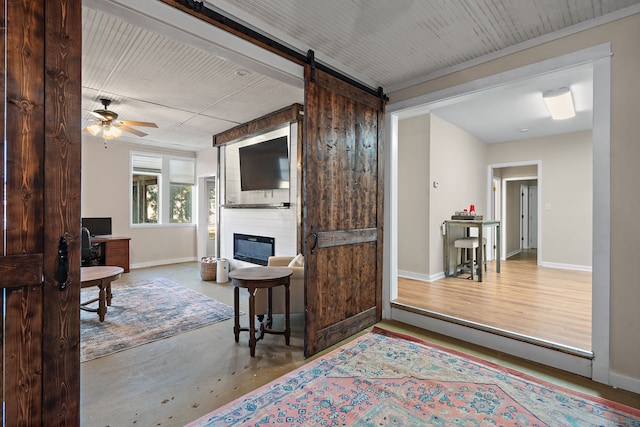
<point>207,162</point>
<point>517,171</point>
<point>413,196</point>
<point>623,36</point>
<point>105,192</point>
<point>458,163</point>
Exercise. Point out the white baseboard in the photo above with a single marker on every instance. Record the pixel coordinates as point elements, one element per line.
<point>624,382</point>
<point>566,266</point>
<point>155,263</point>
<point>516,252</point>
<point>420,276</point>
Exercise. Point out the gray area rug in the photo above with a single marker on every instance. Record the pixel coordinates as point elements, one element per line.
<point>145,311</point>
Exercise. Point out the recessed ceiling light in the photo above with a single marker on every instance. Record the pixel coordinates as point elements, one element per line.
<point>524,130</point>
<point>242,73</point>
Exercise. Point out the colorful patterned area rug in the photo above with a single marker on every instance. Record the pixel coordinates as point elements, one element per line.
<point>142,312</point>
<point>387,379</point>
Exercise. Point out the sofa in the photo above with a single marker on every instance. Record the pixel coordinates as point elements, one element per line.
<point>296,289</point>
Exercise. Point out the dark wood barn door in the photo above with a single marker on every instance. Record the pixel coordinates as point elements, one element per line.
<point>40,164</point>
<point>342,209</point>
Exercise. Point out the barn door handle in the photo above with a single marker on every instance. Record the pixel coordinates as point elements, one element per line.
<point>63,263</point>
<point>315,239</point>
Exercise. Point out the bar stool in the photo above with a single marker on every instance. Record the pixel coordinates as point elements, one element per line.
<point>470,243</point>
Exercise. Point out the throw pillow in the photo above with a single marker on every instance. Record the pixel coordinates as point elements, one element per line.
<point>297,261</point>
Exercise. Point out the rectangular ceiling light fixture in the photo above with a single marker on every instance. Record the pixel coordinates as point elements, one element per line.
<point>559,103</point>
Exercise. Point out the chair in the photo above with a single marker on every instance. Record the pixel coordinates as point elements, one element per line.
<point>470,243</point>
<point>90,252</point>
<point>296,289</point>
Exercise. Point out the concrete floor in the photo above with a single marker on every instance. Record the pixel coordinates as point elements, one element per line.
<point>176,380</point>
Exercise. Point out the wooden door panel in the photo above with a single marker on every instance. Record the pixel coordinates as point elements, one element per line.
<point>16,270</point>
<point>23,355</point>
<point>347,166</point>
<point>40,160</point>
<point>24,130</point>
<point>62,136</point>
<point>341,296</point>
<point>342,210</point>
<point>24,213</point>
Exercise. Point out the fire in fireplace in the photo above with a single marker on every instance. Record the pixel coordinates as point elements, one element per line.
<point>253,249</point>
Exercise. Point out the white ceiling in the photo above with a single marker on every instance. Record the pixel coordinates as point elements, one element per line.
<point>184,86</point>
<point>157,64</point>
<point>517,111</point>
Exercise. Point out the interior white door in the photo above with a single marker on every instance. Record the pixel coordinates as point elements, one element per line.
<point>496,197</point>
<point>533,217</point>
<point>524,215</point>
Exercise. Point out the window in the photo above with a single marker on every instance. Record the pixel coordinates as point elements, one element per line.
<point>181,178</point>
<point>146,177</point>
<point>151,202</point>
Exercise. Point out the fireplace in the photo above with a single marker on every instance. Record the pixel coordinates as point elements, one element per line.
<point>253,249</point>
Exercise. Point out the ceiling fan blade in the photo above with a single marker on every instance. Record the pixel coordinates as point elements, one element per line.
<point>131,130</point>
<point>97,115</point>
<point>134,123</point>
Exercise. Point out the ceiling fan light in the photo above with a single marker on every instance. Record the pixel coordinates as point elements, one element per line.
<point>559,103</point>
<point>107,132</point>
<point>115,132</point>
<point>94,129</point>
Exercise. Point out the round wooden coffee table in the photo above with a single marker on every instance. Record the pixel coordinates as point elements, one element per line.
<point>100,276</point>
<point>252,279</point>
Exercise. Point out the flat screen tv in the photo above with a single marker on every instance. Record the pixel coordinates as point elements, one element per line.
<point>265,165</point>
<point>98,226</point>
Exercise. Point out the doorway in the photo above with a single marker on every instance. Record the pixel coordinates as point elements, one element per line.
<point>518,212</point>
<point>188,244</point>
<point>209,234</point>
<point>600,62</point>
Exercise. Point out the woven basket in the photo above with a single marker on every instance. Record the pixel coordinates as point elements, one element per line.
<point>208,268</point>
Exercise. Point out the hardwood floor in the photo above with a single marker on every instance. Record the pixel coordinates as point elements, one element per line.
<point>547,304</point>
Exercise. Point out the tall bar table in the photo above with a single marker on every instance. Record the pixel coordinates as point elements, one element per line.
<point>472,223</point>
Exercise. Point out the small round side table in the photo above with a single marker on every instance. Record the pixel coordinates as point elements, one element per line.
<point>252,279</point>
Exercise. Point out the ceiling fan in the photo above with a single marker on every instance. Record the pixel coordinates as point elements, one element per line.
<point>110,126</point>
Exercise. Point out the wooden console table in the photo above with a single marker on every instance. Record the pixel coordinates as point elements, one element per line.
<point>252,279</point>
<point>115,250</point>
<point>100,276</point>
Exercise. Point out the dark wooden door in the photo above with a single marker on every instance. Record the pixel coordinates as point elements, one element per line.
<point>40,161</point>
<point>342,209</point>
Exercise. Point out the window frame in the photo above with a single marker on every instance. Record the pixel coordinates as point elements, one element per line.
<point>164,192</point>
